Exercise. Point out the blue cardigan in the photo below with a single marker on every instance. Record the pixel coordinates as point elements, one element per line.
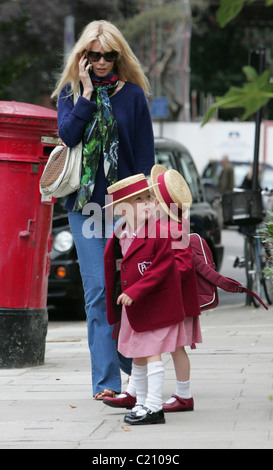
<point>136,141</point>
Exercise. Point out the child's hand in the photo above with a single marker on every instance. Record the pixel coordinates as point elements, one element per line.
<point>125,300</point>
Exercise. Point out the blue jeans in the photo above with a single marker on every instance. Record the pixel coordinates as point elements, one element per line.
<point>90,239</point>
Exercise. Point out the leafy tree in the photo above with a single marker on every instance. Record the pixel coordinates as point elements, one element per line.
<point>157,35</point>
<point>229,9</point>
<point>31,38</point>
<point>252,96</point>
<point>216,56</point>
<point>258,90</point>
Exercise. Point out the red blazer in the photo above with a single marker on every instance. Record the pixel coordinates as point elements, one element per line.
<point>185,263</point>
<point>149,275</point>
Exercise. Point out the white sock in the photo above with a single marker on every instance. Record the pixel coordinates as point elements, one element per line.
<point>131,388</point>
<point>155,376</point>
<point>140,381</point>
<point>138,408</point>
<point>182,391</point>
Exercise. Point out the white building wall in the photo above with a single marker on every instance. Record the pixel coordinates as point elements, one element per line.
<point>211,142</point>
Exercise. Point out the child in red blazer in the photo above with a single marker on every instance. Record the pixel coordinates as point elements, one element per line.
<point>170,193</point>
<point>139,257</point>
<point>174,198</point>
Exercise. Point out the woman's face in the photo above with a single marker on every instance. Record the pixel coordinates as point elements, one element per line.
<point>101,68</point>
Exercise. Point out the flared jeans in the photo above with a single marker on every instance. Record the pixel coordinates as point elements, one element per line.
<point>90,235</point>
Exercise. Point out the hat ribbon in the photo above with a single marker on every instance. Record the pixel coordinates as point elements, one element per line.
<point>130,189</point>
<point>165,194</point>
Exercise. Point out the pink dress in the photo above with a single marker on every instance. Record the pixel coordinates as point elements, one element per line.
<point>135,344</point>
<point>193,331</point>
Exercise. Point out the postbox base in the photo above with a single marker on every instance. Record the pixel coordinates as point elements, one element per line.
<point>22,337</point>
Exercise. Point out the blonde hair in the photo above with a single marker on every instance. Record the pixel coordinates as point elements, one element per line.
<point>127,64</point>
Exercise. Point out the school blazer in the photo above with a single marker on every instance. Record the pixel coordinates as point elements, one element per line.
<point>149,275</point>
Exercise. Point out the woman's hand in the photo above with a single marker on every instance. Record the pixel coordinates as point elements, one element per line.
<point>85,77</point>
<point>125,300</point>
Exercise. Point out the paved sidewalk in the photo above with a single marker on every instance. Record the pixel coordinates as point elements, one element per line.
<point>51,407</point>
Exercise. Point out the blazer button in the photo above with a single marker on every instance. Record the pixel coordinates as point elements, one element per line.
<point>125,283</point>
<point>124,268</point>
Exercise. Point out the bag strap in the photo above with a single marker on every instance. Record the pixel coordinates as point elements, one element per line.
<point>248,291</point>
<point>231,285</point>
<point>237,287</point>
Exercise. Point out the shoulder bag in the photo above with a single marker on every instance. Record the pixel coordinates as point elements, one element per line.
<point>62,173</point>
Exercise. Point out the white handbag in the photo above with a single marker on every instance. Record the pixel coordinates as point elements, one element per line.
<point>62,173</point>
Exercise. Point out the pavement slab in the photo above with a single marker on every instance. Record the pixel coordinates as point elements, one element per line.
<point>51,406</point>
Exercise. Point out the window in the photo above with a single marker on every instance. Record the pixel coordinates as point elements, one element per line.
<point>191,176</point>
<point>182,161</point>
<point>165,158</point>
<point>211,173</point>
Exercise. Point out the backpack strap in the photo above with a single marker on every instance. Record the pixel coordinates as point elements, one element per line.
<point>230,285</point>
<point>248,291</point>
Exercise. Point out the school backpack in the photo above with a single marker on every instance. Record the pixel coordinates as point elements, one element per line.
<point>208,279</point>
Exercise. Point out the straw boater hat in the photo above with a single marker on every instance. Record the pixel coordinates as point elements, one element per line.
<point>172,189</point>
<point>128,187</point>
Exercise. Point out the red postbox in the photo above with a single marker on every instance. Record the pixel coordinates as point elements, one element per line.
<point>28,133</point>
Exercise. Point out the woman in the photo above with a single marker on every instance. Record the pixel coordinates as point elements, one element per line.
<point>101,101</point>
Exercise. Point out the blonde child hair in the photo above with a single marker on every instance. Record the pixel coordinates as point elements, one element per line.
<point>127,64</point>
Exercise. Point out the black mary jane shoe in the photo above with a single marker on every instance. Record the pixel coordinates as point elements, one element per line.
<point>151,417</point>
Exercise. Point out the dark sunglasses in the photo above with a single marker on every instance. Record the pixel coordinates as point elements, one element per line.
<point>93,56</point>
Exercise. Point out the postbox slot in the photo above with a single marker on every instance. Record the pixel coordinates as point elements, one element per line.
<point>48,144</point>
<point>47,150</point>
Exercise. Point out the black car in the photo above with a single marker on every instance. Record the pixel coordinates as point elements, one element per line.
<point>65,287</point>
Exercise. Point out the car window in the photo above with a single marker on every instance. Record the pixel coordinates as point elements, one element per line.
<point>181,161</point>
<point>191,176</point>
<point>211,174</point>
<point>209,171</point>
<point>165,158</point>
